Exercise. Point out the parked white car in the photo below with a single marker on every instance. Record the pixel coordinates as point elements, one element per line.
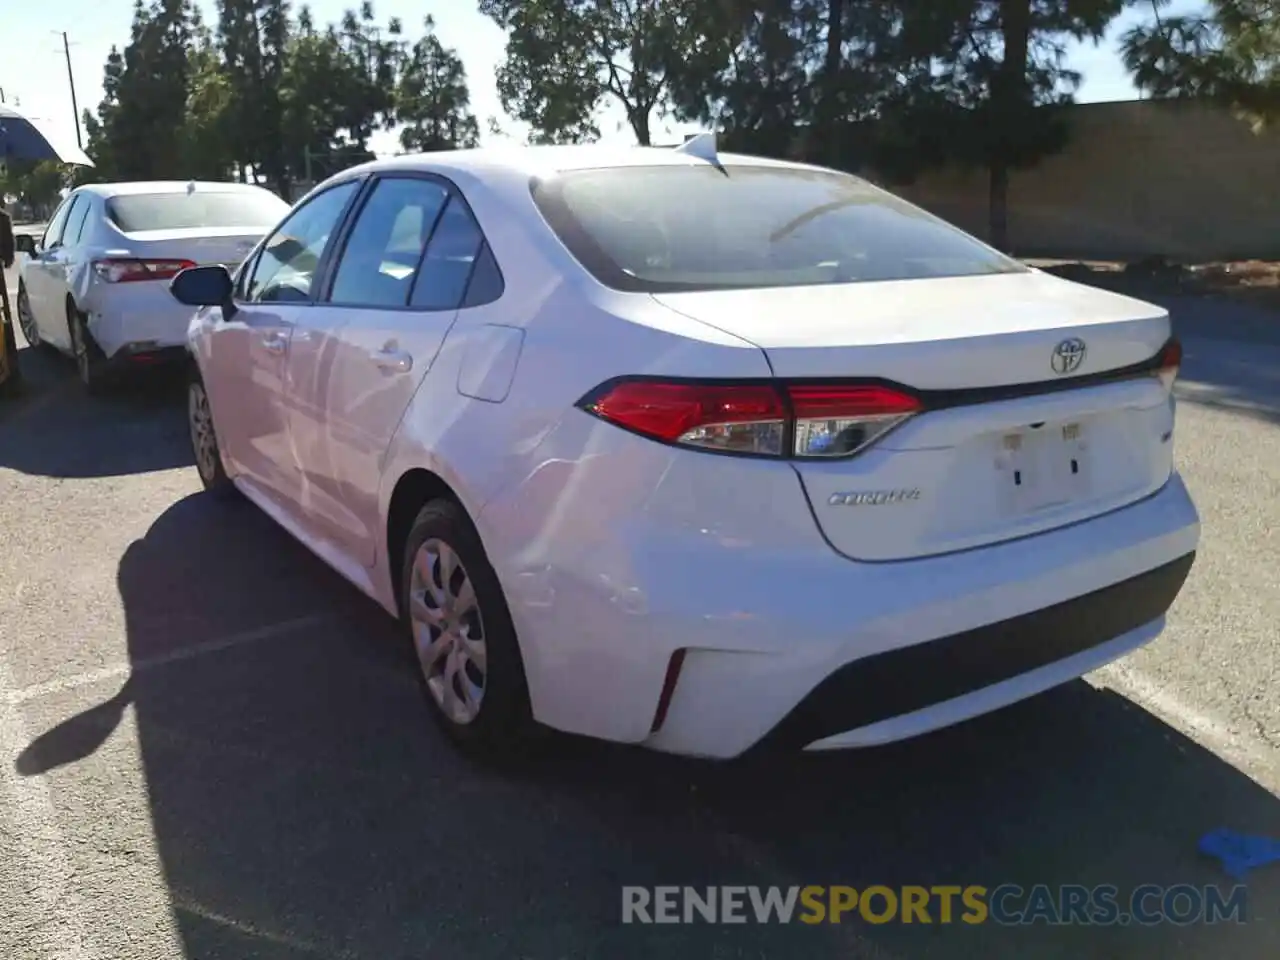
<point>706,453</point>
<point>90,288</point>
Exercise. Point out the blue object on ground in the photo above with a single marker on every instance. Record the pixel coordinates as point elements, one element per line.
<point>1238,852</point>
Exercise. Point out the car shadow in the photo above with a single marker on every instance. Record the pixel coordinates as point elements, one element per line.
<point>135,426</point>
<point>303,806</point>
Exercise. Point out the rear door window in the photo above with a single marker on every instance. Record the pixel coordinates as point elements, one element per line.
<point>76,221</point>
<point>385,246</point>
<point>449,259</point>
<point>53,232</point>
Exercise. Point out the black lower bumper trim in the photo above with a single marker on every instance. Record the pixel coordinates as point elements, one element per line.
<point>901,681</point>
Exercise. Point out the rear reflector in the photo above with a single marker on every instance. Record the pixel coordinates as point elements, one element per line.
<point>131,270</point>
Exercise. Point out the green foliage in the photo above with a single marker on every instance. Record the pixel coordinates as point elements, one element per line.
<point>433,101</point>
<point>267,97</point>
<point>566,58</point>
<point>36,185</point>
<point>1230,53</point>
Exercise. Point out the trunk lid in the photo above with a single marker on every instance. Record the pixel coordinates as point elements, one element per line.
<point>981,464</point>
<point>203,245</point>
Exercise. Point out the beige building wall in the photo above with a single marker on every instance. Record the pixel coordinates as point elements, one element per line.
<point>1138,178</point>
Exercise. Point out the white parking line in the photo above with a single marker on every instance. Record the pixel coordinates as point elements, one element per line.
<point>47,877</point>
<point>62,684</point>
<point>248,929</point>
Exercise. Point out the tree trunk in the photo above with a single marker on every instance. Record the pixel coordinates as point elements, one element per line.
<point>998,207</point>
<point>1009,93</point>
<point>639,120</point>
<point>825,146</point>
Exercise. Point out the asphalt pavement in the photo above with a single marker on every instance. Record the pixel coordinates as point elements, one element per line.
<point>211,747</point>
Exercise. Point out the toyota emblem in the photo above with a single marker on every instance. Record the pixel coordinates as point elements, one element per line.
<point>1067,356</point>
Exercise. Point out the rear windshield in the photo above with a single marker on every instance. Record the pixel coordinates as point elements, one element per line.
<point>669,228</point>
<point>179,211</point>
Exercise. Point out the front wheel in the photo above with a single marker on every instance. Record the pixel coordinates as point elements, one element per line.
<point>204,441</point>
<point>27,319</point>
<point>468,657</point>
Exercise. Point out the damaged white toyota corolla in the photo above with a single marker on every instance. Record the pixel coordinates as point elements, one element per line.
<point>91,285</point>
<point>702,452</point>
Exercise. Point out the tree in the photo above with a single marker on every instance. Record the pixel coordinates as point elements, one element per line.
<point>36,185</point>
<point>143,120</point>
<point>367,83</point>
<point>1230,53</point>
<point>793,77</point>
<point>566,58</point>
<point>996,83</point>
<point>253,37</point>
<point>432,97</point>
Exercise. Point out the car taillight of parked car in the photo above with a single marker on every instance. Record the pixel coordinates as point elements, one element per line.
<point>775,419</point>
<point>131,270</point>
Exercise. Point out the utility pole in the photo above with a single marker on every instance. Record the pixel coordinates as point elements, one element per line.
<point>75,107</point>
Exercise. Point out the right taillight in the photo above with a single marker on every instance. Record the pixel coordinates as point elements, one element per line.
<point>773,419</point>
<point>1169,362</point>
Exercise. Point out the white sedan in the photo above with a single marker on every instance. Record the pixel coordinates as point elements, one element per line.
<point>705,453</point>
<point>89,286</point>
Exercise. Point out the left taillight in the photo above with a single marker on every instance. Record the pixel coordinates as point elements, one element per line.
<point>132,269</point>
<point>1169,362</point>
<point>773,419</point>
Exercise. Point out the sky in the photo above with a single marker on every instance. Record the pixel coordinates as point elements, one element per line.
<point>33,70</point>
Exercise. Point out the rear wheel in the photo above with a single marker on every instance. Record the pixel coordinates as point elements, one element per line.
<point>468,657</point>
<point>204,441</point>
<point>90,361</point>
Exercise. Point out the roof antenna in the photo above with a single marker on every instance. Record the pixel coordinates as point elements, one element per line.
<point>703,146</point>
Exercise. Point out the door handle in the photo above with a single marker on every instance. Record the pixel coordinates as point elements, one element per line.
<point>393,361</point>
<point>274,343</point>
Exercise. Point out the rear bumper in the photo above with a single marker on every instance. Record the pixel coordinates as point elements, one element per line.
<point>912,680</point>
<point>141,356</point>
<point>137,318</point>
<point>618,554</point>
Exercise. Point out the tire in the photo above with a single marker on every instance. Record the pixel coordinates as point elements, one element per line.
<point>27,320</point>
<point>204,439</point>
<point>457,647</point>
<point>89,359</point>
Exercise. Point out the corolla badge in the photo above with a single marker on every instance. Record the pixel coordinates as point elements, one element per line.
<point>872,498</point>
<point>1067,356</point>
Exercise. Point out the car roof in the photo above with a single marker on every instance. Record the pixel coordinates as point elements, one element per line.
<point>549,160</point>
<point>134,187</point>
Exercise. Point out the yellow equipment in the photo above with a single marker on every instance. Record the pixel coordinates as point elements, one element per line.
<point>10,375</point>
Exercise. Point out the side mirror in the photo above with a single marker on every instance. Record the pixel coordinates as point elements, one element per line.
<point>202,286</point>
<point>25,243</point>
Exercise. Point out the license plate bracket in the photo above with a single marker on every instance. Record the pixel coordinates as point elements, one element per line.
<point>1044,466</point>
